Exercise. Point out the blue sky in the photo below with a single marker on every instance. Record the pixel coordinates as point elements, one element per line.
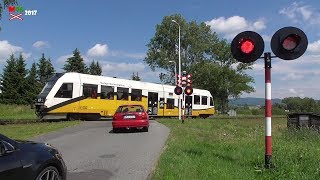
<point>116,34</point>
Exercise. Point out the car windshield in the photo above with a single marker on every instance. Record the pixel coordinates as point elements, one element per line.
<point>132,108</point>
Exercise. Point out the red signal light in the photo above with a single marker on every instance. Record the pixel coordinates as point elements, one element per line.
<point>291,42</point>
<point>247,46</point>
<point>188,90</point>
<point>178,90</point>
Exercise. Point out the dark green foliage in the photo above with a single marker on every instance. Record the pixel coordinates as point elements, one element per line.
<point>135,77</point>
<point>33,86</point>
<point>45,70</point>
<point>95,68</point>
<point>21,73</point>
<point>19,86</point>
<point>203,55</point>
<point>9,82</point>
<point>297,104</point>
<point>75,63</point>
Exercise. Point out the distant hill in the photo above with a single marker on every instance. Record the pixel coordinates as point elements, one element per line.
<point>251,101</point>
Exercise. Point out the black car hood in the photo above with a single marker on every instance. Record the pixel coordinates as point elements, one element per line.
<point>34,146</point>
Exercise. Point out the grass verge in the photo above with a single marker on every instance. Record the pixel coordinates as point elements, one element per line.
<point>16,112</point>
<point>234,149</point>
<point>27,131</point>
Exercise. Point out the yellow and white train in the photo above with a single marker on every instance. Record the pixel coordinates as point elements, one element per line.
<point>75,95</point>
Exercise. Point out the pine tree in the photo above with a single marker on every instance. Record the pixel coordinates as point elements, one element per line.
<point>50,69</point>
<point>135,77</point>
<point>45,70</point>
<point>75,63</point>
<point>8,88</point>
<point>99,69</point>
<point>95,68</point>
<point>21,84</point>
<point>32,86</point>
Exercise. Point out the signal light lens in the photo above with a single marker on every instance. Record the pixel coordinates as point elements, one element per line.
<point>178,90</point>
<point>291,42</point>
<point>246,46</point>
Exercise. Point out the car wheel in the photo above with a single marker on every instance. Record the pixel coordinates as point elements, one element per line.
<point>145,129</point>
<point>49,173</point>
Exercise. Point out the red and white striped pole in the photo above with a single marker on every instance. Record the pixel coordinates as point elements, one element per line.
<point>268,109</point>
<point>183,104</point>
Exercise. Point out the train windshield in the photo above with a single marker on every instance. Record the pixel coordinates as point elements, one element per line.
<point>51,82</point>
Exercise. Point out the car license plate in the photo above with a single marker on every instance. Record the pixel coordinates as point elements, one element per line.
<point>129,117</point>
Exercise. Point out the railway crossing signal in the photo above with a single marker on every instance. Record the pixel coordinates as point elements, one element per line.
<point>287,43</point>
<point>188,90</point>
<point>247,46</point>
<point>178,90</point>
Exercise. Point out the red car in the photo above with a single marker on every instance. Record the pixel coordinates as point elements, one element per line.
<point>130,117</point>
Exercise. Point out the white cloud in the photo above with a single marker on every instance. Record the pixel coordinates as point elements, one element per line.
<point>234,25</point>
<point>63,59</point>
<point>314,47</point>
<point>298,13</point>
<point>98,50</point>
<point>40,44</point>
<point>292,76</point>
<point>291,90</point>
<point>6,49</point>
<point>110,68</point>
<point>127,55</point>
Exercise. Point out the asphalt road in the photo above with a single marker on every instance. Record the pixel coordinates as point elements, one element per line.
<point>92,151</point>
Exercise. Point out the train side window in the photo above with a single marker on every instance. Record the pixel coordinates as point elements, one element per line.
<point>107,92</point>
<point>122,93</point>
<point>204,100</point>
<point>196,99</point>
<point>211,101</point>
<point>136,95</point>
<point>65,91</point>
<point>170,103</point>
<point>90,90</point>
<point>161,103</point>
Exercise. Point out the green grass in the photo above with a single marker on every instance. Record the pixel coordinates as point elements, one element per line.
<point>27,131</point>
<point>16,112</point>
<point>234,149</point>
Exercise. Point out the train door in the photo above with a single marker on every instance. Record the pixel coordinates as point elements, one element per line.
<point>188,106</point>
<point>161,107</point>
<point>152,103</point>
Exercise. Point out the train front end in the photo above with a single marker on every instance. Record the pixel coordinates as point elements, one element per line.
<point>40,102</point>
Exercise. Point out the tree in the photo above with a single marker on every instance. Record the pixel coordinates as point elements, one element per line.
<point>95,68</point>
<point>21,73</point>
<point>135,77</point>
<point>297,104</point>
<point>32,86</point>
<point>75,63</point>
<point>203,55</point>
<point>5,4</point>
<point>8,78</point>
<point>45,70</point>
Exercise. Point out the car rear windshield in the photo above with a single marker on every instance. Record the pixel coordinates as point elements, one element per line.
<point>124,109</point>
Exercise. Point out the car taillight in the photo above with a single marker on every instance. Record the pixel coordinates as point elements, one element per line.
<point>144,115</point>
<point>116,116</point>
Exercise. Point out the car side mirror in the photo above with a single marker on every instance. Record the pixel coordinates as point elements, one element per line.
<point>2,148</point>
<point>5,149</point>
